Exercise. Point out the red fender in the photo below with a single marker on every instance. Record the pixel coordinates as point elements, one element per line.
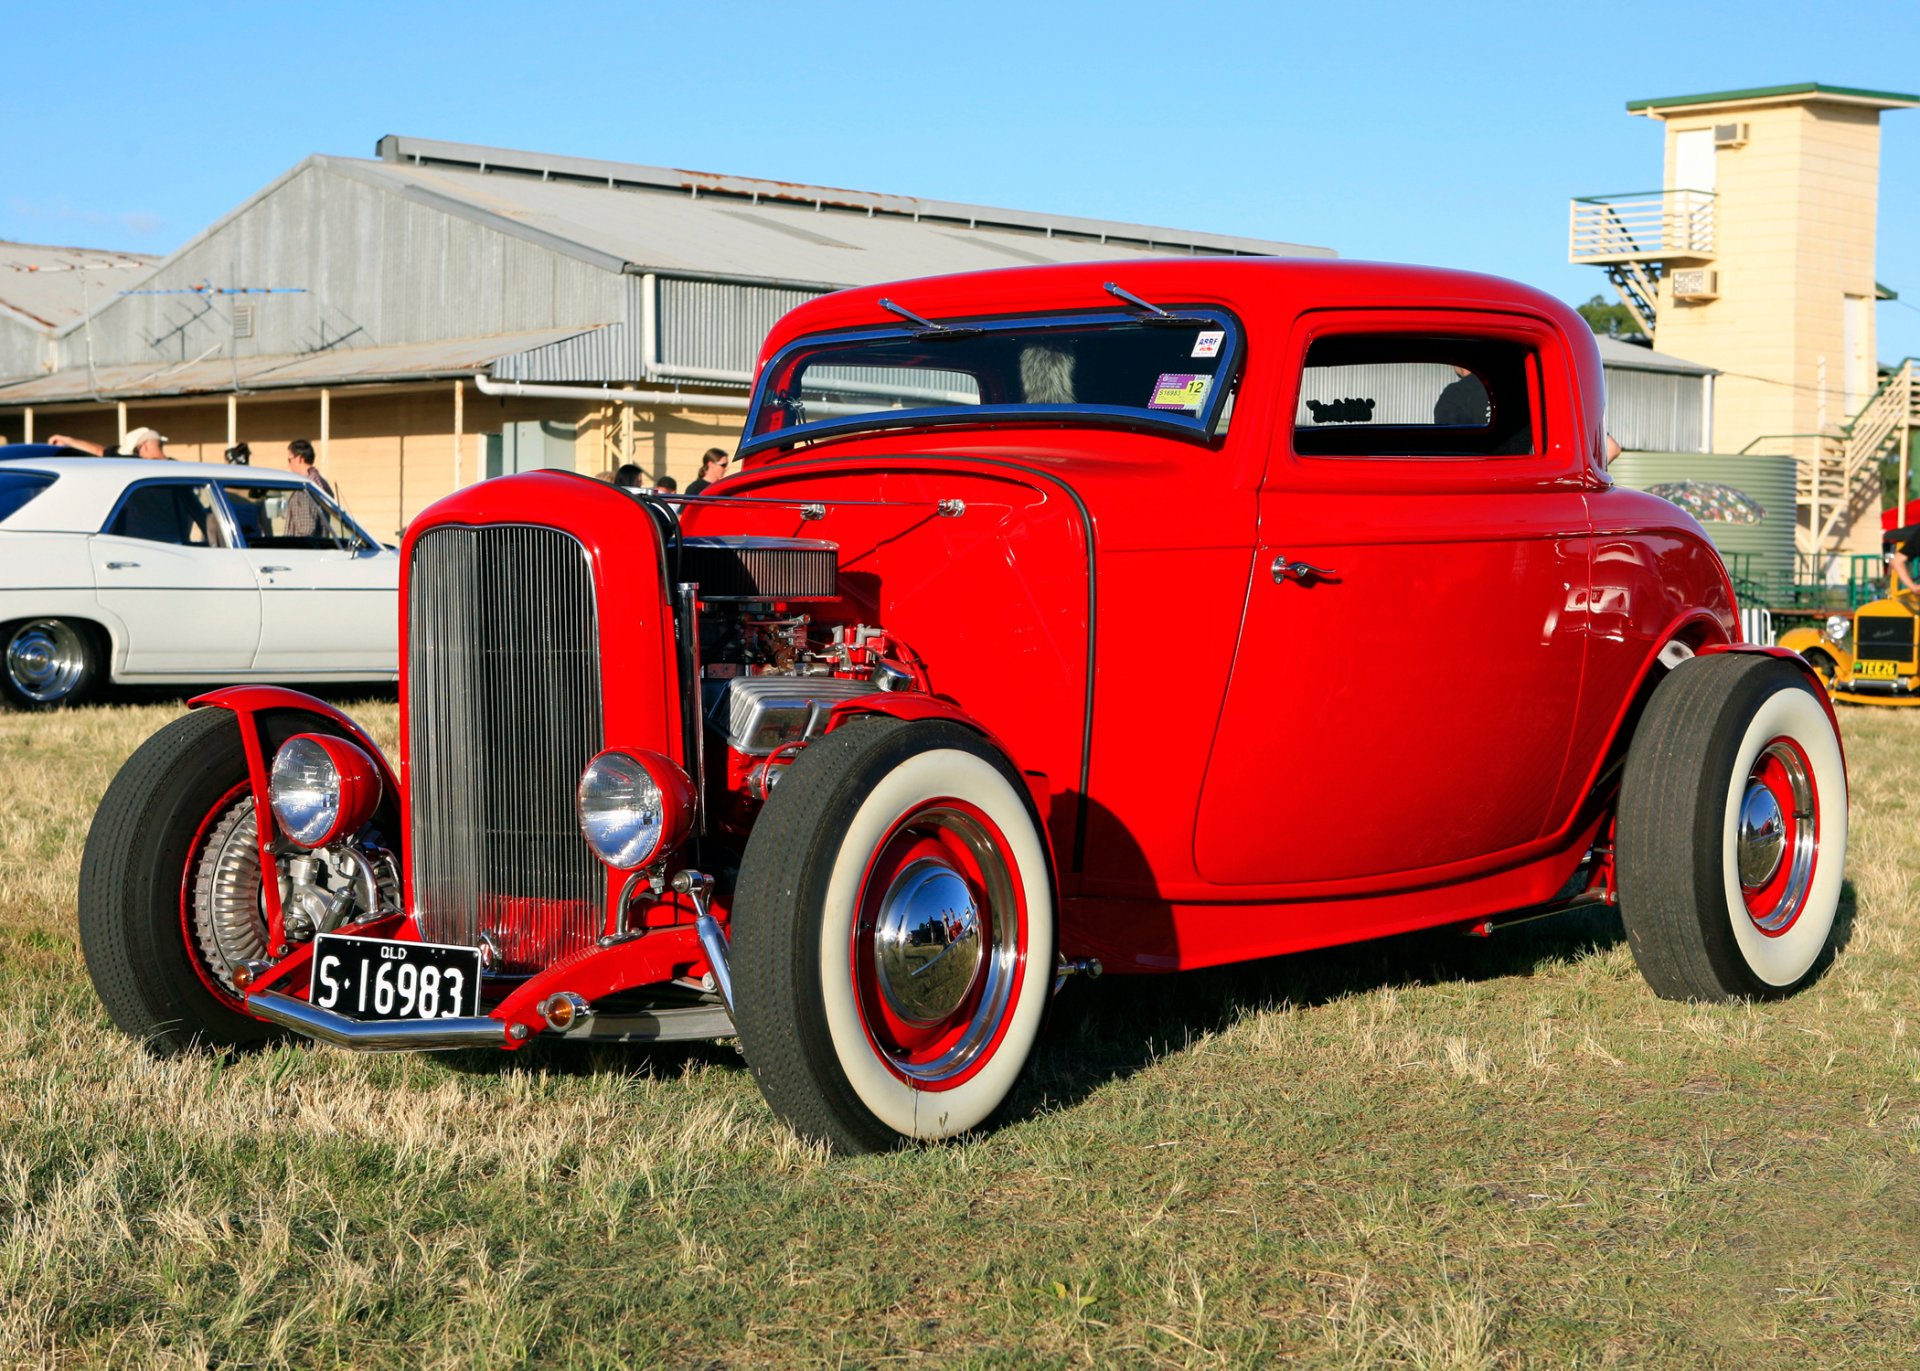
<point>247,701</point>
<point>1788,655</point>
<point>912,707</point>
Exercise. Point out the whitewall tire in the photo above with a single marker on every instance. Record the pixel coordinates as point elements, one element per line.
<point>1732,839</point>
<point>893,936</point>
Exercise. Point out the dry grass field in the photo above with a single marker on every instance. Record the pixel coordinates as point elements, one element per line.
<point>1440,1153</point>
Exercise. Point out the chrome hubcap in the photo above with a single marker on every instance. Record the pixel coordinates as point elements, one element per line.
<point>927,943</point>
<point>45,660</point>
<point>1774,843</point>
<point>1763,836</point>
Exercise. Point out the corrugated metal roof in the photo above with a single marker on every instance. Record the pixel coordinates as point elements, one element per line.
<point>404,361</point>
<point>1631,356</point>
<point>49,286</point>
<point>640,218</point>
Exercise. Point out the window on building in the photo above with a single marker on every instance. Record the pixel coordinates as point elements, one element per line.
<point>1396,395</point>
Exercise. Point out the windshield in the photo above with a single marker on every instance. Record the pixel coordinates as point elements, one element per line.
<point>1173,374</point>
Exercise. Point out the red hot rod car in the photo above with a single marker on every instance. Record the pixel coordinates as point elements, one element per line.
<point>1061,619</point>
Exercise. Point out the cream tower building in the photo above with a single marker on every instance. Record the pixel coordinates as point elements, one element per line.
<point>1756,257</point>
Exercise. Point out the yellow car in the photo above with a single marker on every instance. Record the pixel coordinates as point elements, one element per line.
<point>1870,660</point>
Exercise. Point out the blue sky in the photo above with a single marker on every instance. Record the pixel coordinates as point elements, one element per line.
<point>1447,134</point>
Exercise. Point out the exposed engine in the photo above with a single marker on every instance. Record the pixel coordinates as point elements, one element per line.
<point>771,671</point>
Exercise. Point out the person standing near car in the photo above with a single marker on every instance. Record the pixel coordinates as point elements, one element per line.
<point>1900,547</point>
<point>305,517</point>
<point>712,467</point>
<point>139,442</point>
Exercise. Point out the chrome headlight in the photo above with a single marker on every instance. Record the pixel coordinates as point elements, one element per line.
<point>1837,626</point>
<point>321,788</point>
<point>633,806</point>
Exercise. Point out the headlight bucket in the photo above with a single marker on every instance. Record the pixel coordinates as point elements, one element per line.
<point>1837,626</point>
<point>322,788</point>
<point>633,805</point>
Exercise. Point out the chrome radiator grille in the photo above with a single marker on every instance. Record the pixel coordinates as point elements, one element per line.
<point>503,712</point>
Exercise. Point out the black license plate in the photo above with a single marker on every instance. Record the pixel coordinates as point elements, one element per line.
<point>374,978</point>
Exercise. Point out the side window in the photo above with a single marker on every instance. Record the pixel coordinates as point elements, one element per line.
<point>1406,395</point>
<point>287,516</point>
<point>174,512</point>
<point>17,488</point>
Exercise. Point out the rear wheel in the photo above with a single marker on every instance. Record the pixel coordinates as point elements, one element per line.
<point>47,663</point>
<point>893,936</point>
<point>1732,831</point>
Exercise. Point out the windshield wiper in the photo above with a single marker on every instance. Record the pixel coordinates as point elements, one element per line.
<point>926,328</point>
<point>1154,314</point>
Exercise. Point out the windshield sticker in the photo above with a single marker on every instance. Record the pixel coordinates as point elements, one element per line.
<point>1208,343</point>
<point>1179,390</point>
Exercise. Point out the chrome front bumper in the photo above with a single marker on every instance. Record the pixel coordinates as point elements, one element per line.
<point>688,1023</point>
<point>390,1035</point>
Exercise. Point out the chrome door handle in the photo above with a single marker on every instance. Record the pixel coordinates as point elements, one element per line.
<point>1303,572</point>
<point>120,566</point>
<point>270,569</point>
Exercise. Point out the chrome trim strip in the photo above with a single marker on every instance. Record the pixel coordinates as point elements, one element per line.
<point>388,1035</point>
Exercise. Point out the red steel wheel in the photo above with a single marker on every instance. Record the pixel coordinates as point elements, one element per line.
<point>939,946</point>
<point>893,936</point>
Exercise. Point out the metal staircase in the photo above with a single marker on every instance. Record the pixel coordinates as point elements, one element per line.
<point>1639,237</point>
<point>1840,480</point>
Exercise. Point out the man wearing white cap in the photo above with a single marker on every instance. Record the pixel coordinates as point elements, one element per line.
<point>140,442</point>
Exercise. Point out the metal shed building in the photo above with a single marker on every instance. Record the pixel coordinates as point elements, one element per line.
<point>354,302</point>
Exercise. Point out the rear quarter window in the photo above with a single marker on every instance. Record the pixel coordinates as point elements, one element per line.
<point>17,488</point>
<point>1388,395</point>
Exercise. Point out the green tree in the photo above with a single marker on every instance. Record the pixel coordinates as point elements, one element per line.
<point>1609,317</point>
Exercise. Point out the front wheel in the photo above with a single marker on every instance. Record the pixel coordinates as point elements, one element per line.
<point>1732,835</point>
<point>893,936</point>
<point>170,889</point>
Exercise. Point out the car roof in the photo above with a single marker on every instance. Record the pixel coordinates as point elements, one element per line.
<point>89,487</point>
<point>1256,288</point>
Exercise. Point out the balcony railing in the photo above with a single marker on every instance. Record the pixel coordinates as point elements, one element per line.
<point>1643,226</point>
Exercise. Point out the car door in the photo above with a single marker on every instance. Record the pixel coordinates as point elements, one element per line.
<point>1409,669</point>
<point>163,564</point>
<point>329,594</point>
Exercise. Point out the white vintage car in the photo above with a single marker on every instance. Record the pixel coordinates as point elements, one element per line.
<point>169,572</point>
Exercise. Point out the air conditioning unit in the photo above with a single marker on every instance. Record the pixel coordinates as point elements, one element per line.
<point>1729,135</point>
<point>1696,283</point>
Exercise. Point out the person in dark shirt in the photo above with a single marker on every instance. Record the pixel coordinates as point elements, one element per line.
<point>306,516</point>
<point>1900,546</point>
<point>1464,402</point>
<point>712,467</point>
